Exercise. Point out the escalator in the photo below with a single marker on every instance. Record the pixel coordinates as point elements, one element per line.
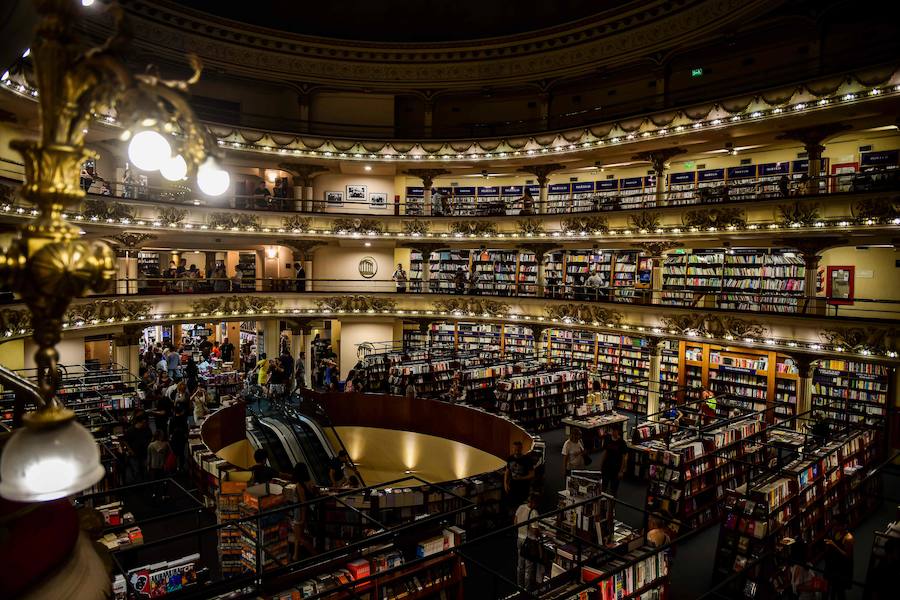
<point>290,438</point>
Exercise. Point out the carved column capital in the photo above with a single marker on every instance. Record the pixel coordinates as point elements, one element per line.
<point>426,248</point>
<point>541,172</point>
<point>303,173</point>
<point>426,175</point>
<point>812,137</point>
<point>423,323</point>
<point>302,248</point>
<point>659,158</point>
<point>659,248</point>
<point>298,326</point>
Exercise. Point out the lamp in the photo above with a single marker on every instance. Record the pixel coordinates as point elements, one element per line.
<point>48,263</point>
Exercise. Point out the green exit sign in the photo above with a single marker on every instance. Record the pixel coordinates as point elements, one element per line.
<point>697,72</point>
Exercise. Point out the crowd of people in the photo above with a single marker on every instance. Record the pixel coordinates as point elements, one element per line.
<point>181,277</point>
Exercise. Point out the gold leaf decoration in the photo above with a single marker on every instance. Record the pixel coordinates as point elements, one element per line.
<point>586,224</point>
<point>170,215</point>
<point>232,221</point>
<point>802,213</point>
<point>471,306</point>
<point>352,225</point>
<point>95,208</point>
<point>296,223</point>
<point>857,339</point>
<point>14,321</point>
<point>356,303</point>
<point>234,304</point>
<point>475,228</point>
<point>644,221</point>
<point>584,313</point>
<point>878,209</point>
<point>530,227</point>
<point>715,217</point>
<point>417,227</point>
<point>99,311</point>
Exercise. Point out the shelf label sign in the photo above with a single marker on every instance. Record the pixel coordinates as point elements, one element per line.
<point>559,188</point>
<point>512,190</point>
<point>583,186</point>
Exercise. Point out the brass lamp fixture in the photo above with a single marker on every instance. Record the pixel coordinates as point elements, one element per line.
<point>48,264</point>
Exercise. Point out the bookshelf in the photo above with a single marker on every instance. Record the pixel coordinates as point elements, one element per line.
<point>464,202</point>
<point>851,391</point>
<point>689,479</point>
<point>228,509</point>
<point>559,197</point>
<point>681,188</point>
<point>668,374</point>
<point>745,379</point>
<point>540,401</point>
<point>263,539</point>
<point>570,348</point>
<point>623,362</point>
<point>527,274</point>
<point>798,501</point>
<point>624,273</point>
<point>443,265</point>
<point>416,266</point>
<point>496,271</point>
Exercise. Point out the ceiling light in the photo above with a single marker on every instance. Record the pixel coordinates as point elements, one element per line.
<point>368,244</point>
<point>212,180</point>
<point>367,168</point>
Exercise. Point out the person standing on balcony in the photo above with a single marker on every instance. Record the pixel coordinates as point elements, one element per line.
<point>261,195</point>
<point>237,280</point>
<point>227,350</point>
<point>527,202</point>
<point>437,206</point>
<point>400,277</point>
<point>460,280</point>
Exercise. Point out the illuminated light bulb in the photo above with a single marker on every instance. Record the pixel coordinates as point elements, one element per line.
<point>174,169</point>
<point>87,2</point>
<point>149,150</point>
<point>212,180</point>
<point>27,53</point>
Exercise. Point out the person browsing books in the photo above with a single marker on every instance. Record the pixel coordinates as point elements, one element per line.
<point>573,452</point>
<point>518,475</point>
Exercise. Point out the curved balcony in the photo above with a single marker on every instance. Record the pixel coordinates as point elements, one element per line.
<point>863,202</point>
<point>846,331</point>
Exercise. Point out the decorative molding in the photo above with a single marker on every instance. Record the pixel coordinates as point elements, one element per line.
<point>471,306</point>
<point>296,223</point>
<point>417,227</point>
<point>718,326</point>
<point>863,339</point>
<point>95,208</point>
<point>7,193</point>
<point>303,248</point>
<point>132,239</point>
<point>877,209</point>
<point>586,224</point>
<point>426,175</point>
<point>356,304</point>
<point>302,174</point>
<point>473,228</point>
<point>234,304</point>
<point>803,213</point>
<point>232,221</point>
<point>715,217</point>
<point>170,215</point>
<point>584,313</point>
<point>13,321</point>
<point>530,227</point>
<point>658,248</point>
<point>644,221</point>
<point>98,311</point>
<point>569,49</point>
<point>351,225</point>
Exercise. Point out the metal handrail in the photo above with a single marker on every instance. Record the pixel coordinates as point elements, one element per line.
<point>769,301</point>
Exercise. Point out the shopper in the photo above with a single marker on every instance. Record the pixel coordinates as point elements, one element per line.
<point>349,383</point>
<point>784,186</point>
<point>227,350</point>
<point>612,468</point>
<point>178,434</point>
<point>409,389</point>
<point>192,374</point>
<point>306,492</point>
<point>708,406</point>
<point>518,476</point>
<point>336,473</point>
<point>527,202</point>
<point>200,403</point>
<point>278,378</point>
<point>437,202</point>
<point>157,454</point>
<point>300,371</point>
<point>573,452</point>
<point>839,559</point>
<point>163,411</point>
<point>220,280</point>
<point>137,438</point>
<point>299,277</point>
<point>262,371</point>
<point>657,532</point>
<point>400,277</point>
<point>527,543</point>
<point>459,280</point>
<point>260,472</point>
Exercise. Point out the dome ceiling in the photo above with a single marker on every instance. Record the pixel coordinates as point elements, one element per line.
<point>402,21</point>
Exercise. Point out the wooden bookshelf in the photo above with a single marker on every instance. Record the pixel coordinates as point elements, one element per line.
<point>540,401</point>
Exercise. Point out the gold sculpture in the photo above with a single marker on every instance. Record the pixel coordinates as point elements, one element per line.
<point>48,264</point>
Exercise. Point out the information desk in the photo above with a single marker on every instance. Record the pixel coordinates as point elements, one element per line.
<point>593,427</point>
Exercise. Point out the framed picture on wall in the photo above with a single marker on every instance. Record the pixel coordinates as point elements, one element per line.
<point>356,193</point>
<point>378,200</point>
<point>839,284</point>
<point>334,198</point>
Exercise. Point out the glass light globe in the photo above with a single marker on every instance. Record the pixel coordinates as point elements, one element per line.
<point>174,169</point>
<point>149,150</point>
<point>40,464</point>
<point>212,180</point>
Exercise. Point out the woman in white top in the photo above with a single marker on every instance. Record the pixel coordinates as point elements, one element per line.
<point>573,452</point>
<point>200,400</point>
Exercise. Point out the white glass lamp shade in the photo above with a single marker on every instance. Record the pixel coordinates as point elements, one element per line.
<point>212,180</point>
<point>174,169</point>
<point>40,464</point>
<point>149,150</point>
